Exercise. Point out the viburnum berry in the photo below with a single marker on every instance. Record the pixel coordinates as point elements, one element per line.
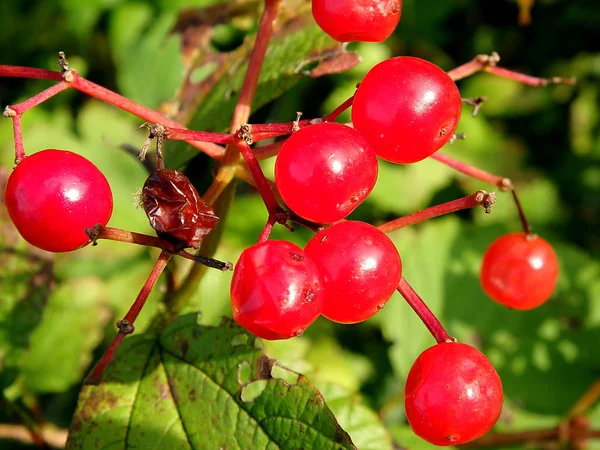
<point>519,271</point>
<point>276,291</point>
<point>324,171</point>
<point>453,394</point>
<point>357,20</point>
<point>361,270</point>
<point>175,209</point>
<point>407,108</point>
<point>52,196</point>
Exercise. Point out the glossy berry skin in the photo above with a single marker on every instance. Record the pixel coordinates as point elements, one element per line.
<point>52,196</point>
<point>519,271</point>
<point>357,20</point>
<point>276,291</point>
<point>453,394</point>
<point>324,171</point>
<point>361,270</point>
<point>407,108</point>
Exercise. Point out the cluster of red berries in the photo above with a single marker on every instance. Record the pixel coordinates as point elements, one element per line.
<point>404,110</point>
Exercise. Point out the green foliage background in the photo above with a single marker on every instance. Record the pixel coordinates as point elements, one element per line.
<point>57,313</point>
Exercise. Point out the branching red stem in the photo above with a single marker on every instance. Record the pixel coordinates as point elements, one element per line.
<point>29,72</point>
<point>263,37</point>
<point>268,151</point>
<point>503,183</point>
<point>108,96</point>
<point>479,198</point>
<point>262,183</point>
<point>116,234</point>
<point>488,63</point>
<point>339,110</point>
<point>20,108</point>
<point>183,134</point>
<point>418,305</point>
<point>126,324</point>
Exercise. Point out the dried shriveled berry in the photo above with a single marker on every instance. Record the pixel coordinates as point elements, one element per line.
<point>176,210</point>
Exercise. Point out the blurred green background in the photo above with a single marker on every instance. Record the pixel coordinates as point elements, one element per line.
<point>56,312</point>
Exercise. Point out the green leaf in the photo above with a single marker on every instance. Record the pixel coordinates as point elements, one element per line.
<point>402,189</point>
<point>203,388</point>
<point>150,66</point>
<point>25,284</point>
<point>71,328</point>
<point>284,54</point>
<point>360,421</point>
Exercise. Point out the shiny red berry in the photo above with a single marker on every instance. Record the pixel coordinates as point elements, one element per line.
<point>407,108</point>
<point>453,394</point>
<point>357,20</point>
<point>361,270</point>
<point>519,271</point>
<point>52,197</point>
<point>324,171</point>
<point>276,291</point>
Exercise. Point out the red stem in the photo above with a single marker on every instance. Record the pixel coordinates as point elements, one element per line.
<point>418,305</point>
<point>265,31</point>
<point>29,72</point>
<point>108,96</point>
<point>18,134</point>
<point>20,108</point>
<point>478,198</point>
<point>266,232</point>
<point>267,151</point>
<point>487,63</point>
<point>126,325</point>
<point>528,79</point>
<point>524,222</point>
<point>264,131</point>
<point>262,184</point>
<point>339,110</point>
<point>504,184</point>
<point>183,134</point>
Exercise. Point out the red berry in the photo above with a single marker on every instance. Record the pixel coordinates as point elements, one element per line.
<point>52,196</point>
<point>453,394</point>
<point>519,271</point>
<point>407,108</point>
<point>357,20</point>
<point>361,270</point>
<point>276,291</point>
<point>324,171</point>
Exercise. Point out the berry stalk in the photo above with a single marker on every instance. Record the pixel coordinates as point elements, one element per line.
<point>488,63</point>
<point>262,183</point>
<point>116,234</point>
<point>339,110</point>
<point>418,305</point>
<point>524,222</point>
<point>260,132</point>
<point>503,183</point>
<point>126,324</point>
<point>479,198</point>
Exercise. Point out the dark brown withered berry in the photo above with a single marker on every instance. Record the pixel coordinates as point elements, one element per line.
<point>175,209</point>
